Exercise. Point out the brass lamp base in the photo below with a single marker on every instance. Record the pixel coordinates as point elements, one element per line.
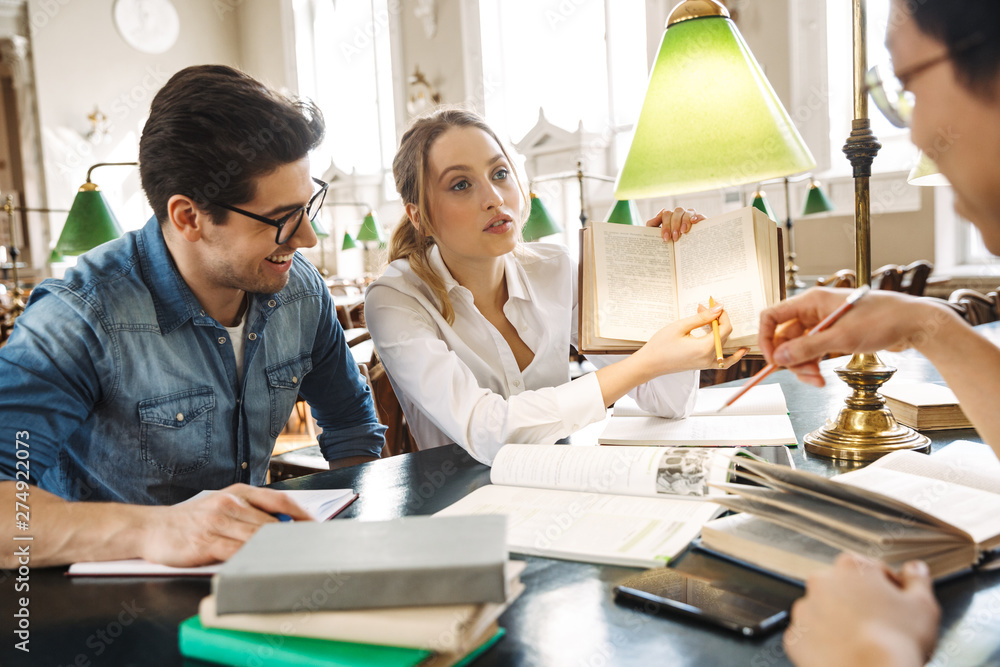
<point>865,429</point>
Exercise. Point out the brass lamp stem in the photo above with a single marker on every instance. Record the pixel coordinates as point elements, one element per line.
<point>864,429</point>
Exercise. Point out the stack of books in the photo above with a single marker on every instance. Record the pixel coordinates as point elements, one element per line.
<point>414,591</point>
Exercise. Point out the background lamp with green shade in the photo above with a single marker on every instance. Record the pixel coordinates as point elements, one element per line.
<point>761,203</point>
<point>816,200</point>
<point>371,230</point>
<point>710,118</point>
<point>348,243</point>
<point>540,222</point>
<point>624,212</point>
<point>91,221</point>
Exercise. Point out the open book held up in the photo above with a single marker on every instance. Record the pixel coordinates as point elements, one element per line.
<point>943,509</point>
<point>632,283</point>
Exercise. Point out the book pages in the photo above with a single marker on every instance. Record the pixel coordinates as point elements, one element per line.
<point>632,471</point>
<point>719,259</point>
<point>765,399</point>
<point>590,527</point>
<point>708,431</point>
<point>973,511</point>
<point>636,292</point>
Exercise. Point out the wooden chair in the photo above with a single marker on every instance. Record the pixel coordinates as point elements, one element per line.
<point>910,279</point>
<point>297,454</point>
<point>976,307</point>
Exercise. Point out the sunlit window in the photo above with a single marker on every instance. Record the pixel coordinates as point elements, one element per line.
<point>580,62</point>
<point>343,61</point>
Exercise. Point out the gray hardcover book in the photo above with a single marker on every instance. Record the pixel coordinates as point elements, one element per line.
<point>366,564</point>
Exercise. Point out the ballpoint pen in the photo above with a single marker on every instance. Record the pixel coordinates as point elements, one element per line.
<point>852,299</point>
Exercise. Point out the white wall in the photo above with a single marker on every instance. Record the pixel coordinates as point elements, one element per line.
<point>81,61</point>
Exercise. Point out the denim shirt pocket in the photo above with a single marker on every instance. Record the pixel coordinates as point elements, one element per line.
<point>283,382</point>
<point>176,430</point>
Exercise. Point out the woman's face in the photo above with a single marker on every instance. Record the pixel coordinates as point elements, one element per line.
<point>958,130</point>
<point>472,196</point>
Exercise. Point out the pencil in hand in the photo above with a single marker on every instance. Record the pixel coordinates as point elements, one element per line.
<point>715,334</point>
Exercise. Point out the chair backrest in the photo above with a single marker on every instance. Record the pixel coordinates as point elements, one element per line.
<point>398,439</point>
<point>842,278</point>
<point>911,279</point>
<point>976,307</point>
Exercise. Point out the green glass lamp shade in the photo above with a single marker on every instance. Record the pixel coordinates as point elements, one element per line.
<point>89,224</point>
<point>926,173</point>
<point>761,204</point>
<point>624,212</point>
<point>321,231</point>
<point>710,118</point>
<point>55,256</point>
<point>349,243</point>
<point>371,230</point>
<point>539,223</point>
<point>816,200</point>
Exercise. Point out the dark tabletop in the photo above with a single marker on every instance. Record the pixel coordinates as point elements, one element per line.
<point>565,617</point>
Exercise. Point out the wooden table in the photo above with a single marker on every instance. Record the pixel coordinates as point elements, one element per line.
<point>566,616</point>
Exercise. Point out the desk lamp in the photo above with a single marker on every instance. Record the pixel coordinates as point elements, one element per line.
<point>864,429</point>
<point>91,221</point>
<point>710,118</point>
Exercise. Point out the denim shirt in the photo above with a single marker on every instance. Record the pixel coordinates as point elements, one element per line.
<point>123,389</point>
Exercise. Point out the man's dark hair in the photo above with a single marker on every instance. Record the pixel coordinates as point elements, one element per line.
<point>971,31</point>
<point>212,131</point>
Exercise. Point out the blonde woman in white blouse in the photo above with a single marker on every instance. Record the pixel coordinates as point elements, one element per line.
<point>474,329</point>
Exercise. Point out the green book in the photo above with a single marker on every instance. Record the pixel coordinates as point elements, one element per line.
<point>252,649</point>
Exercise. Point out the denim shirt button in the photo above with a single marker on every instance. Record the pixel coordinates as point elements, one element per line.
<point>222,340</point>
<point>252,336</point>
<point>295,379</point>
<point>244,465</point>
<point>272,303</point>
<point>180,416</point>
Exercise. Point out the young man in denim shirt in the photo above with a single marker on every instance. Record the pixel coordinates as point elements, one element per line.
<point>166,362</point>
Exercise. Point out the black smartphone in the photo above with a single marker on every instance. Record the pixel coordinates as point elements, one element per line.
<point>667,592</point>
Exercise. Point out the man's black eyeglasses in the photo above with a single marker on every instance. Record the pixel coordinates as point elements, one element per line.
<point>287,224</point>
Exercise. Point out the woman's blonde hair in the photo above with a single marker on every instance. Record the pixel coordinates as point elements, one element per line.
<point>409,169</point>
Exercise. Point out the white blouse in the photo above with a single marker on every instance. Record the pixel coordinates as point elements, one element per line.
<point>460,383</point>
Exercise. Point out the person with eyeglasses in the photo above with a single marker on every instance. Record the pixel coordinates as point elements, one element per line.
<point>945,87</point>
<point>166,362</point>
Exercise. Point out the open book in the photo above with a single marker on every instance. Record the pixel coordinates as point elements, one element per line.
<point>632,283</point>
<point>943,509</point>
<point>322,504</point>
<point>631,506</point>
<point>759,418</point>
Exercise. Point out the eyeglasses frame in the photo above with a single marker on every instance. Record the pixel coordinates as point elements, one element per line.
<point>283,220</point>
<point>874,82</point>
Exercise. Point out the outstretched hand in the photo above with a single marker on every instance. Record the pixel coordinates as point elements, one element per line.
<point>673,348</point>
<point>213,528</point>
<point>883,320</point>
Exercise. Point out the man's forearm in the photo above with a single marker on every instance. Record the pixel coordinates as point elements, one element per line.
<point>65,532</point>
<point>970,364</point>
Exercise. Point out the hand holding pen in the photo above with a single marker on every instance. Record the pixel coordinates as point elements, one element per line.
<point>773,326</point>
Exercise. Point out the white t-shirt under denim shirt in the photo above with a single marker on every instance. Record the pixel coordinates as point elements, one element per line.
<point>460,383</point>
